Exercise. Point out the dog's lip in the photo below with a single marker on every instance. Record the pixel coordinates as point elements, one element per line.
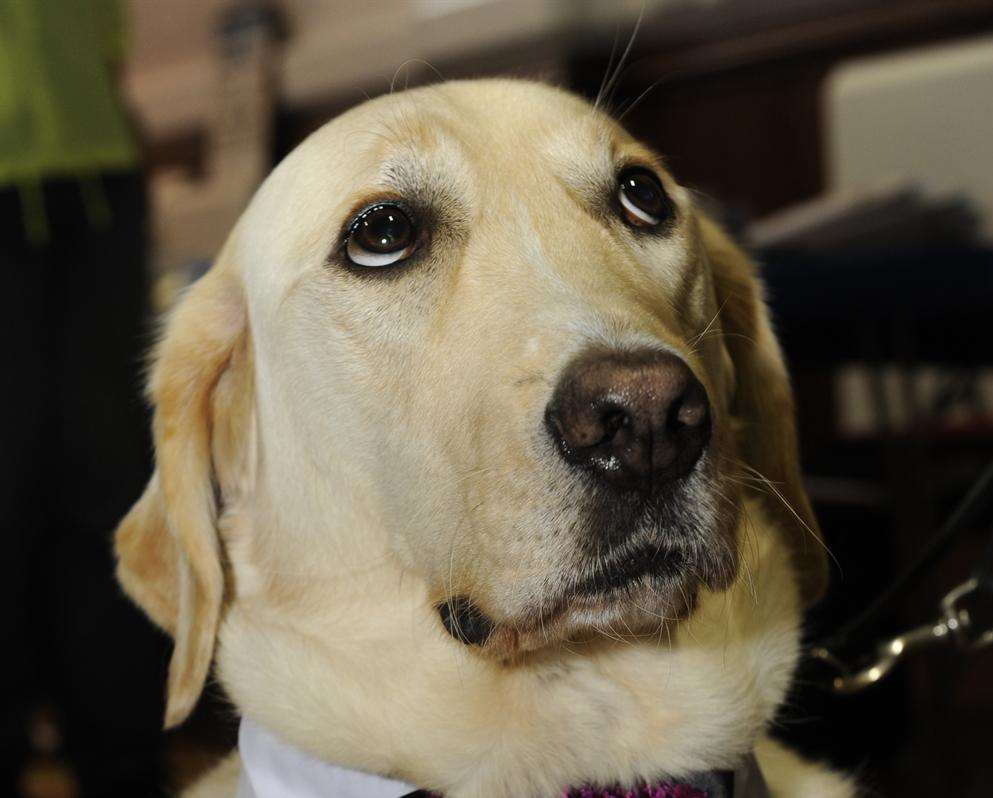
<point>582,616</point>
<point>650,568</point>
<point>653,561</point>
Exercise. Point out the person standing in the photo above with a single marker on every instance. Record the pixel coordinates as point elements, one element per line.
<point>74,312</point>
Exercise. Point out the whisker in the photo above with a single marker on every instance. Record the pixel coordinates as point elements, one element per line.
<point>610,65</point>
<point>743,561</point>
<point>604,93</point>
<point>692,343</point>
<point>793,512</point>
<point>634,103</point>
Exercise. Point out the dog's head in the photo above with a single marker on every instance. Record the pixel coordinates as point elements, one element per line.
<point>480,330</point>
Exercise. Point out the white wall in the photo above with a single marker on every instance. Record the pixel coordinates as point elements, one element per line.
<point>925,114</point>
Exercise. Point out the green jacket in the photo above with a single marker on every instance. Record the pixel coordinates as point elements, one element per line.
<point>59,110</point>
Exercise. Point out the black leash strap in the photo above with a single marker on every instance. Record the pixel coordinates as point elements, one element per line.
<point>983,572</point>
<point>966,611</point>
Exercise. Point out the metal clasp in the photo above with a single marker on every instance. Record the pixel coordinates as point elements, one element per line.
<point>961,622</point>
<point>955,624</point>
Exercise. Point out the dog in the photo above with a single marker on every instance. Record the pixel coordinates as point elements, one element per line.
<point>476,465</point>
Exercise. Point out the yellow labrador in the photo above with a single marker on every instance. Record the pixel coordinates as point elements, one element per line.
<point>476,466</point>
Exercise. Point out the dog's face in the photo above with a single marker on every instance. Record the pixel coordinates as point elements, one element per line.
<point>503,317</point>
<point>482,324</point>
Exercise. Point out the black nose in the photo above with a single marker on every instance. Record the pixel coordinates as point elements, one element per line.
<point>636,420</point>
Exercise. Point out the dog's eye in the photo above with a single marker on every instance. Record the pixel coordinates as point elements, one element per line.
<point>644,202</point>
<point>381,236</point>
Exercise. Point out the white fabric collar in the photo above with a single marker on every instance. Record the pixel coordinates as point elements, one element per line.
<point>272,768</point>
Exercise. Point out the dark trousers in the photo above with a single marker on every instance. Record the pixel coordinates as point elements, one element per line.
<point>74,454</point>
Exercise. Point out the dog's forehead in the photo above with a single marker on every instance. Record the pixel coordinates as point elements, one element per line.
<point>490,119</point>
<point>465,130</point>
<point>462,139</point>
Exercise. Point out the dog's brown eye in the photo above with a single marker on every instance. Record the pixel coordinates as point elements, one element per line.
<point>381,236</point>
<point>644,202</point>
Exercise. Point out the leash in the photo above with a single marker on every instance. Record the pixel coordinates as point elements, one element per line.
<point>965,614</point>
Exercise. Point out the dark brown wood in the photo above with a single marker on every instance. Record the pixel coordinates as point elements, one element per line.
<point>714,39</point>
<point>731,94</point>
<point>750,139</point>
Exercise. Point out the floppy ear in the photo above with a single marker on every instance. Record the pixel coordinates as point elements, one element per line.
<point>763,404</point>
<point>170,558</point>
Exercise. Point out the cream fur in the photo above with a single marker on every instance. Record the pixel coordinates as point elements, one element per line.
<point>347,687</point>
<point>377,446</point>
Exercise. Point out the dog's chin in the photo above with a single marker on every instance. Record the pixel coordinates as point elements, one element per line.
<point>643,607</point>
<point>638,587</point>
<point>638,601</point>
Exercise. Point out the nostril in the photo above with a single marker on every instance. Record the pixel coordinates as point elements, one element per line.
<point>587,430</point>
<point>691,415</point>
<point>612,419</point>
<point>691,410</point>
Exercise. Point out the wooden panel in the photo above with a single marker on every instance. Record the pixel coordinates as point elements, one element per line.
<point>731,94</point>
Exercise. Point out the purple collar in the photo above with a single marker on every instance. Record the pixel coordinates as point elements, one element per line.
<point>665,789</point>
<point>714,784</point>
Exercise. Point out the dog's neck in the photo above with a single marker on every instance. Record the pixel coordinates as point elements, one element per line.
<point>271,768</point>
<point>370,681</point>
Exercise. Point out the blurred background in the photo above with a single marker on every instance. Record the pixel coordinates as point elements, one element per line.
<point>847,143</point>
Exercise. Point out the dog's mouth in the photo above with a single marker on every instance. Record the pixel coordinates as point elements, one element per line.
<point>632,596</point>
<point>619,585</point>
<point>637,605</point>
<point>655,562</point>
